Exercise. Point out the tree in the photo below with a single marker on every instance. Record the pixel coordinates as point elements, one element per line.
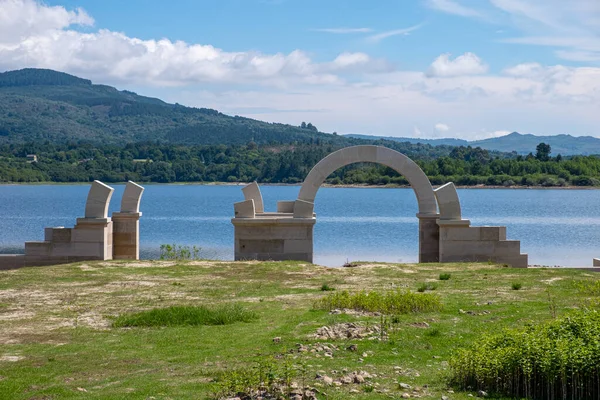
<point>542,152</point>
<point>303,125</point>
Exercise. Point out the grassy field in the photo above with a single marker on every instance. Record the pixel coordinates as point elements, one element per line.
<point>59,336</point>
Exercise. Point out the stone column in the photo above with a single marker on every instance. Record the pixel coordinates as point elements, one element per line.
<point>126,235</point>
<point>429,238</point>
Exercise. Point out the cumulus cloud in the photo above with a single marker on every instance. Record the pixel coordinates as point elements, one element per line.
<point>441,127</point>
<point>36,35</point>
<point>467,64</point>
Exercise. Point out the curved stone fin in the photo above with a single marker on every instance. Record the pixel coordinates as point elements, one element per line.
<point>98,200</point>
<point>130,203</point>
<point>448,202</point>
<point>244,209</point>
<point>252,192</point>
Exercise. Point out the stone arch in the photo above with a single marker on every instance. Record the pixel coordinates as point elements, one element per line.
<point>426,199</point>
<point>374,154</point>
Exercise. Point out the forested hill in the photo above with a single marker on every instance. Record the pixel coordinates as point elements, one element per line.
<point>39,105</point>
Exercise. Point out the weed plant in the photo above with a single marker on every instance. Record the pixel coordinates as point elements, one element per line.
<point>426,286</point>
<point>392,302</point>
<point>556,360</point>
<point>444,277</point>
<point>516,286</point>
<point>187,315</point>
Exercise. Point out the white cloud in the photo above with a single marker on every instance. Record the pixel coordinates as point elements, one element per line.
<point>441,127</point>
<point>384,35</point>
<point>452,7</point>
<point>35,35</point>
<point>467,64</point>
<point>343,30</point>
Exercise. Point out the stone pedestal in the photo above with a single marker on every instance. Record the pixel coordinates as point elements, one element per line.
<point>274,236</point>
<point>92,238</point>
<point>126,235</point>
<point>429,238</point>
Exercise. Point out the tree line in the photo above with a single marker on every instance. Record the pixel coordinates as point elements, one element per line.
<point>166,163</point>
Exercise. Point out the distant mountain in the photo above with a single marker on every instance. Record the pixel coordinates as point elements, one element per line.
<point>522,144</point>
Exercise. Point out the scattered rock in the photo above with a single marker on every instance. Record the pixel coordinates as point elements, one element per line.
<point>405,386</point>
<point>328,380</point>
<point>81,389</point>
<point>347,330</point>
<point>481,393</point>
<point>405,396</point>
<point>352,347</point>
<point>445,398</point>
<point>277,339</point>
<point>420,325</point>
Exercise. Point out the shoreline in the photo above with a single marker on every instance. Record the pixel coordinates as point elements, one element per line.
<point>326,185</point>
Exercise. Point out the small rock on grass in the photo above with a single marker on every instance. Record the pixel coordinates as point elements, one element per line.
<point>277,339</point>
<point>405,386</point>
<point>481,393</point>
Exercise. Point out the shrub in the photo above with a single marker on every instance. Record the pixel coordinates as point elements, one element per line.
<point>559,359</point>
<point>326,288</point>
<point>392,302</point>
<point>516,286</point>
<point>426,286</point>
<point>444,277</point>
<point>187,315</point>
<point>178,252</point>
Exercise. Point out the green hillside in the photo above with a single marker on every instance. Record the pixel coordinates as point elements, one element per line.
<point>38,104</point>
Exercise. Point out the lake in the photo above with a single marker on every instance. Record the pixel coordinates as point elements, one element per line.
<point>555,227</point>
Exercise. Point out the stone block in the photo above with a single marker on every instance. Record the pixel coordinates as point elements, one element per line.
<point>467,249</point>
<point>130,203</point>
<point>285,206</point>
<point>596,262</point>
<point>297,246</point>
<point>516,261</point>
<point>92,251</point>
<point>98,200</point>
<point>261,246</point>
<point>61,235</point>
<point>244,209</point>
<point>460,233</point>
<point>508,248</point>
<point>88,234</point>
<point>252,192</point>
<point>60,249</point>
<point>37,249</point>
<point>11,261</point>
<point>493,232</point>
<point>303,209</point>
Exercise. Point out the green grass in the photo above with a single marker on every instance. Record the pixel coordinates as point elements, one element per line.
<point>516,286</point>
<point>187,316</point>
<point>57,334</point>
<point>391,302</point>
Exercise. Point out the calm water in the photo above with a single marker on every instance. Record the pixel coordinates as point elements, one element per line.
<point>556,227</point>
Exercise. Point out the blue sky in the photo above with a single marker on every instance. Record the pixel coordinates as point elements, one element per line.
<point>429,68</point>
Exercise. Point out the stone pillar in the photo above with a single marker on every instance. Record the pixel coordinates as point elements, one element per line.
<point>126,235</point>
<point>429,238</point>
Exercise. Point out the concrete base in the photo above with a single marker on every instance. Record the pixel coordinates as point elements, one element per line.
<point>274,236</point>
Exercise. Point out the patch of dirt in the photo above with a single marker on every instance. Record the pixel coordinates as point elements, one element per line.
<point>16,315</point>
<point>8,358</point>
<point>549,281</point>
